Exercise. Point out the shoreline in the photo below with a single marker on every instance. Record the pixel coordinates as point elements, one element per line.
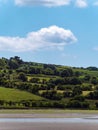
<point>49,113</point>
<point>23,115</point>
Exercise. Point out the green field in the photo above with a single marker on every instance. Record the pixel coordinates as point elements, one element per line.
<point>9,94</point>
<point>47,111</point>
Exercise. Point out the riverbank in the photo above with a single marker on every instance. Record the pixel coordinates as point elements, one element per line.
<point>51,119</point>
<point>30,111</point>
<point>49,113</point>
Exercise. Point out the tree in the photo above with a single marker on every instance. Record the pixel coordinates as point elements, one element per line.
<point>1,102</point>
<point>87,78</point>
<point>93,95</point>
<point>48,71</point>
<point>34,88</point>
<point>13,64</point>
<point>76,91</point>
<point>75,81</point>
<point>86,87</point>
<point>19,61</point>
<point>66,72</point>
<point>94,80</point>
<point>34,80</point>
<point>22,77</point>
<point>79,98</point>
<point>52,95</point>
<point>92,68</point>
<point>67,94</point>
<point>74,104</point>
<point>96,105</point>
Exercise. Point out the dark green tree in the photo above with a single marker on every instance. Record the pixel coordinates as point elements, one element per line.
<point>22,77</point>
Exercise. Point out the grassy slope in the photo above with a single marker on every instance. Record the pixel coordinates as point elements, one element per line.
<point>16,95</point>
<point>91,73</point>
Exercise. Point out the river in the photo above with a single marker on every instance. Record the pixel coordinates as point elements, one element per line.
<point>89,123</point>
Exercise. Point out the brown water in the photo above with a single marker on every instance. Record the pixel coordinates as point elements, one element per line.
<point>49,123</point>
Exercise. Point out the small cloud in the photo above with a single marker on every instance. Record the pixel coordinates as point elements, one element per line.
<point>95,48</point>
<point>64,55</point>
<point>51,37</point>
<point>81,3</point>
<point>95,3</point>
<point>49,3</point>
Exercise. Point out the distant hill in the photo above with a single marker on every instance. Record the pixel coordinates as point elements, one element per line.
<point>36,85</point>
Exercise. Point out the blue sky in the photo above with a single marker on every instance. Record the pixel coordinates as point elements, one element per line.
<point>50,31</point>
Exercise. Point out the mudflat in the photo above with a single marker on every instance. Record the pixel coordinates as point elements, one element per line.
<point>48,126</point>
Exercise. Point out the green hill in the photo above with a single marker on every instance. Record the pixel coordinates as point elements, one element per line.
<point>9,94</point>
<point>30,85</point>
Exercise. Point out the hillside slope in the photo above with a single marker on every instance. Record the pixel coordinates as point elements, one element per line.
<point>9,94</point>
<point>30,85</point>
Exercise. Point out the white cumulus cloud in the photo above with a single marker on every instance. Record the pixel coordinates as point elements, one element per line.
<point>53,3</point>
<point>81,3</point>
<point>48,3</point>
<point>51,37</point>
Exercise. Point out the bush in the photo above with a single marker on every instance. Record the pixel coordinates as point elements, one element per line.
<point>67,94</point>
<point>79,98</point>
<point>86,87</point>
<point>78,104</point>
<point>74,104</point>
<point>93,95</point>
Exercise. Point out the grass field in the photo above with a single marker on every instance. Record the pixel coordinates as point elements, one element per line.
<point>86,92</point>
<point>91,73</point>
<point>47,111</point>
<point>16,95</point>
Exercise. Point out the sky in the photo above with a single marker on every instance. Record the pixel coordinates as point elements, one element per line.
<point>63,32</point>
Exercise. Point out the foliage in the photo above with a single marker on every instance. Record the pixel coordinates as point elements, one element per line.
<point>55,86</point>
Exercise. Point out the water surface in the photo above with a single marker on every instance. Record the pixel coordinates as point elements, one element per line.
<point>90,123</point>
<point>50,120</point>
